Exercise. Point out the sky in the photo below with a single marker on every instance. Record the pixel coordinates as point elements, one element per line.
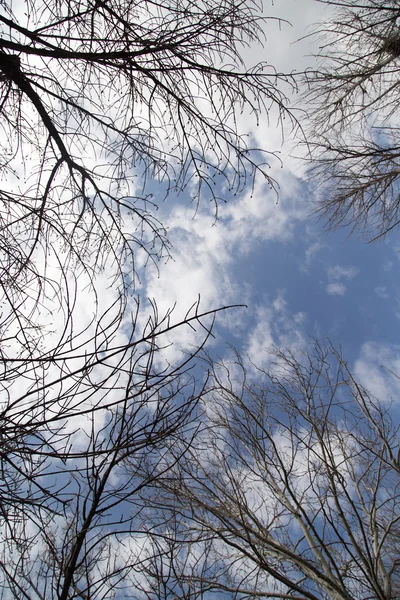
<point>298,280</point>
<point>263,250</point>
<point>265,255</point>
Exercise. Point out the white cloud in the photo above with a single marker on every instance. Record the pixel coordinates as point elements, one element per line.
<point>382,292</point>
<point>336,273</point>
<point>300,318</point>
<point>275,326</point>
<point>336,289</point>
<point>261,338</point>
<point>258,217</point>
<point>378,370</point>
<point>310,254</point>
<point>205,252</point>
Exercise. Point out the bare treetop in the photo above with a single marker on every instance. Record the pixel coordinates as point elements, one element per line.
<point>99,101</point>
<point>143,86</point>
<point>360,47</point>
<point>105,108</point>
<point>354,108</point>
<point>291,491</point>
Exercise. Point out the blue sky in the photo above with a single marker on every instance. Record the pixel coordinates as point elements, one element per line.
<point>298,280</point>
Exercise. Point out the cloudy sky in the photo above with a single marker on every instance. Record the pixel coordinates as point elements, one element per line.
<point>270,253</point>
<point>291,280</point>
<point>297,280</point>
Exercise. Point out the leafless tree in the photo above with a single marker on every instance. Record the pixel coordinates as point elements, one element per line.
<point>105,109</point>
<point>98,102</point>
<point>354,99</point>
<point>291,489</point>
<point>75,453</point>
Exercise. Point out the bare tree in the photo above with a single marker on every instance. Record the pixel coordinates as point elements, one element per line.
<point>354,99</point>
<point>291,489</point>
<point>98,102</point>
<point>76,452</point>
<point>105,109</point>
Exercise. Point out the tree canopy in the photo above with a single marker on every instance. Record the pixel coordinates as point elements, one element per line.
<point>354,98</point>
<point>125,473</point>
<point>105,108</point>
<point>291,490</point>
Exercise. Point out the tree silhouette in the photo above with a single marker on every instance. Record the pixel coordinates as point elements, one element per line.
<point>354,102</point>
<point>291,489</point>
<point>97,103</point>
<point>105,108</point>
